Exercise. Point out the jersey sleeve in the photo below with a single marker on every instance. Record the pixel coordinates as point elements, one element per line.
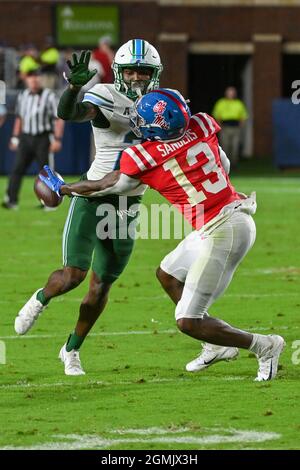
<point>129,164</point>
<point>100,96</point>
<point>138,160</point>
<point>204,125</point>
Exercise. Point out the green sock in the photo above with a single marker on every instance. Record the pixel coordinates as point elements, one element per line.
<point>41,297</point>
<point>74,342</point>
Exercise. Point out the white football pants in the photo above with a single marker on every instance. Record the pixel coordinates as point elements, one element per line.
<point>206,262</point>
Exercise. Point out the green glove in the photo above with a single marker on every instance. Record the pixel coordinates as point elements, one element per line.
<point>79,69</point>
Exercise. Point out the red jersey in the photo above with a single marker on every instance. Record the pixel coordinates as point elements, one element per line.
<point>188,172</point>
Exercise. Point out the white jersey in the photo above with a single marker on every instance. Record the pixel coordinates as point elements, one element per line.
<point>111,142</point>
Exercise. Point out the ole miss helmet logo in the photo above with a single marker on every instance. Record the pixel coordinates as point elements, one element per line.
<point>160,121</point>
<point>159,107</point>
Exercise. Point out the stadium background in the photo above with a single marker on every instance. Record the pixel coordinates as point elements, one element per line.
<point>136,394</point>
<point>205,46</point>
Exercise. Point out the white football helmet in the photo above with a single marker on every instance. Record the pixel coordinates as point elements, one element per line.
<point>136,53</point>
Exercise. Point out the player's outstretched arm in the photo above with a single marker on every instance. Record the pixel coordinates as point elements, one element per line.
<point>88,187</point>
<point>69,109</point>
<point>112,183</point>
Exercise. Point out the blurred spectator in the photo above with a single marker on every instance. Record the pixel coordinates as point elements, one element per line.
<point>231,113</point>
<point>62,66</point>
<point>49,59</point>
<point>104,54</point>
<point>2,60</point>
<point>36,120</point>
<point>3,113</point>
<point>29,61</point>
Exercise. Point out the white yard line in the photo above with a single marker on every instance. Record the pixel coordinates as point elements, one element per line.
<point>101,383</point>
<point>289,270</point>
<point>152,436</point>
<point>165,297</point>
<point>108,333</point>
<point>147,431</point>
<point>142,332</point>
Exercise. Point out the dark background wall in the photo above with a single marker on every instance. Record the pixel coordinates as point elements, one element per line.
<point>27,21</point>
<point>173,29</point>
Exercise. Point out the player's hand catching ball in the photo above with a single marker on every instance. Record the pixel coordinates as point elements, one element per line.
<point>53,181</point>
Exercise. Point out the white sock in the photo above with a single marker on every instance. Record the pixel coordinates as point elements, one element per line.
<point>260,344</point>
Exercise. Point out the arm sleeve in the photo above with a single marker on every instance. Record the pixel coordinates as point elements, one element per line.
<point>130,164</point>
<point>100,96</point>
<point>224,160</point>
<point>204,125</point>
<point>68,108</point>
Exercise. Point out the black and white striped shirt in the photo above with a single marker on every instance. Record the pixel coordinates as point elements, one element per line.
<point>37,111</point>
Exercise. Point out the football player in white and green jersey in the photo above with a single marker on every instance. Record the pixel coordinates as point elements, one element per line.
<point>137,68</point>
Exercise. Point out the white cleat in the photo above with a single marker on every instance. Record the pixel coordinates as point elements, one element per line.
<point>268,361</point>
<point>210,355</point>
<point>28,314</point>
<point>71,361</point>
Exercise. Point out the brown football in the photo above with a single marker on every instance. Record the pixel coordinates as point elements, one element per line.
<point>44,194</point>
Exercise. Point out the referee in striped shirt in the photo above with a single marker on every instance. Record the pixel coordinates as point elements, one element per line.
<point>36,120</point>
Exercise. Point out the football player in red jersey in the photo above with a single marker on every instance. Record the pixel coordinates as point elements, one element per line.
<point>180,158</point>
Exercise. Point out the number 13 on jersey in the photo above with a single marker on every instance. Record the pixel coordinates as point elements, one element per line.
<point>209,168</point>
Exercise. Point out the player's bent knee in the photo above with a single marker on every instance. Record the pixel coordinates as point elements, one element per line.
<point>186,325</point>
<point>99,289</point>
<point>74,276</point>
<point>165,279</point>
<point>159,273</point>
<point>97,296</point>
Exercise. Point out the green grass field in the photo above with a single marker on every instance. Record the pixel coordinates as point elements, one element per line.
<point>136,393</point>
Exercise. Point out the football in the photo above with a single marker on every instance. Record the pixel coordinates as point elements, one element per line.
<point>44,194</point>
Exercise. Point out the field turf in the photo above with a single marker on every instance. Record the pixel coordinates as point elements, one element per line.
<point>136,393</point>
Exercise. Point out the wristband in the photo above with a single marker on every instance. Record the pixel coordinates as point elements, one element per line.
<point>14,140</point>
